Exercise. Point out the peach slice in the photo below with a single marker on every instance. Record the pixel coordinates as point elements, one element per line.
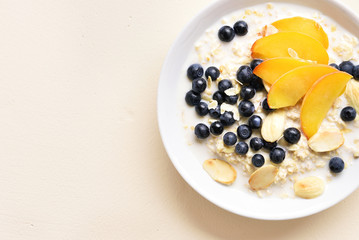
<point>270,70</point>
<point>293,85</point>
<point>303,25</point>
<point>319,99</point>
<point>282,44</point>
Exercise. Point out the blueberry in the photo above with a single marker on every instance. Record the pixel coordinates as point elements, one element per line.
<point>258,160</point>
<point>247,92</point>
<point>229,138</point>
<point>336,165</point>
<point>219,97</point>
<point>240,28</point>
<point>241,148</point>
<point>192,98</point>
<point>244,74</point>
<point>246,108</point>
<point>265,106</point>
<point>232,99</point>
<point>348,114</point>
<point>215,112</point>
<point>201,108</point>
<point>255,62</point>
<point>194,71</point>
<point>226,34</point>
<point>347,66</point>
<point>201,131</point>
<point>216,128</point>
<point>334,65</point>
<point>277,155</point>
<point>212,72</point>
<point>256,83</point>
<point>269,145</point>
<point>244,131</point>
<point>256,143</point>
<point>356,72</point>
<point>255,122</point>
<point>199,85</point>
<point>292,135</point>
<point>224,84</point>
<point>227,118</point>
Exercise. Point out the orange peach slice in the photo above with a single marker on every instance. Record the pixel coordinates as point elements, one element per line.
<point>293,85</point>
<point>270,70</point>
<point>282,44</point>
<point>303,25</point>
<point>319,99</point>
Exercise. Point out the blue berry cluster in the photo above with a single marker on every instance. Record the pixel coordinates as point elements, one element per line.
<point>227,33</point>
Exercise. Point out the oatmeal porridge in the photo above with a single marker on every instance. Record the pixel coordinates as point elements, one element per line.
<point>274,99</point>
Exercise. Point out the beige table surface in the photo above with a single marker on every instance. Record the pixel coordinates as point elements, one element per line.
<point>80,152</point>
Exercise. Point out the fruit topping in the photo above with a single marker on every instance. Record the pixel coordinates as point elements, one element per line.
<point>199,85</point>
<point>278,45</point>
<point>224,84</point>
<point>336,165</point>
<point>201,131</point>
<point>255,122</point>
<point>303,25</point>
<point>212,72</point>
<point>244,131</point>
<point>246,108</point>
<point>256,143</point>
<point>226,34</point>
<point>220,97</point>
<point>192,98</point>
<point>270,70</point>
<point>240,28</point>
<point>247,92</point>
<point>244,74</point>
<point>347,66</point>
<point>293,85</point>
<point>227,118</point>
<point>241,148</point>
<point>319,99</point>
<point>216,128</point>
<point>194,71</point>
<point>201,108</point>
<point>348,114</point>
<point>215,112</point>
<point>292,135</point>
<point>258,160</point>
<point>277,155</point>
<point>229,138</point>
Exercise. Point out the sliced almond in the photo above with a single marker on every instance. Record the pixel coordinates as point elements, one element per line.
<point>352,93</point>
<point>309,187</point>
<point>273,126</point>
<point>212,104</point>
<point>231,91</point>
<point>327,140</point>
<point>220,171</point>
<point>263,177</point>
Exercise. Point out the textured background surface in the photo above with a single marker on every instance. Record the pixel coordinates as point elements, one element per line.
<point>80,152</point>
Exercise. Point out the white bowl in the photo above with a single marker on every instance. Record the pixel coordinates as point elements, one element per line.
<point>171,128</point>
